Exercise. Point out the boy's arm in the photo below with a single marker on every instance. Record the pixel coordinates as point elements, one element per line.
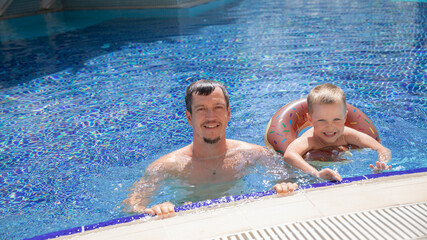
<point>293,157</point>
<point>363,140</point>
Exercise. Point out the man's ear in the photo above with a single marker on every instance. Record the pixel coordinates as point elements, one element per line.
<point>346,114</point>
<point>229,113</point>
<point>188,115</point>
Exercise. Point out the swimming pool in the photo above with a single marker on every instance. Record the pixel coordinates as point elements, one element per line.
<point>86,105</point>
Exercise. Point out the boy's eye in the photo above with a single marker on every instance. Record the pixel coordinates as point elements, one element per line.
<point>337,119</point>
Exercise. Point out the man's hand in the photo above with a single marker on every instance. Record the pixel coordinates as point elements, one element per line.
<point>163,210</point>
<point>284,188</point>
<point>380,166</point>
<point>329,174</point>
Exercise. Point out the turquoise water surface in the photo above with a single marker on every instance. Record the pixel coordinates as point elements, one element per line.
<point>90,98</point>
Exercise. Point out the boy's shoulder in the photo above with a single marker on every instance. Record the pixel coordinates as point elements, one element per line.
<point>348,131</point>
<point>305,142</point>
<point>307,134</point>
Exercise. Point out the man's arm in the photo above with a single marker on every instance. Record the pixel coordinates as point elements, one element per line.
<point>142,191</point>
<point>145,189</point>
<point>285,188</point>
<point>263,154</point>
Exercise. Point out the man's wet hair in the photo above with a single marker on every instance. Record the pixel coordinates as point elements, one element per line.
<point>205,88</point>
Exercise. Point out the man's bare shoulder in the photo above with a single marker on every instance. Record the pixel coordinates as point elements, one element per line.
<point>236,144</point>
<point>172,161</point>
<point>244,154</point>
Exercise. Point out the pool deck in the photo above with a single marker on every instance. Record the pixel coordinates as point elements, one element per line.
<point>272,210</point>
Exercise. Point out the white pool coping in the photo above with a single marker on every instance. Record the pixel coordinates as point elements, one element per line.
<point>268,211</point>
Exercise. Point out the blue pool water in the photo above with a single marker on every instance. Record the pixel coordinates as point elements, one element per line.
<point>89,99</point>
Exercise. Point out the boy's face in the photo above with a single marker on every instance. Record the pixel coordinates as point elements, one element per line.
<point>328,121</point>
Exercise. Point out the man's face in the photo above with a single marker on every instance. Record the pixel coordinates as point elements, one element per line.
<point>328,121</point>
<point>209,117</point>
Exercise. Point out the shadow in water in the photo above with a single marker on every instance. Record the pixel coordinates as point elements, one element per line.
<point>26,59</point>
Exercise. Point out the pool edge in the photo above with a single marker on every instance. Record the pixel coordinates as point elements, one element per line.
<point>220,201</point>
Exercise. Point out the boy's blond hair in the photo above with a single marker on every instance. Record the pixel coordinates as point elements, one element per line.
<point>325,94</point>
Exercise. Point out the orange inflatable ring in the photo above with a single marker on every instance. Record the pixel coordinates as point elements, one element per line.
<point>286,124</point>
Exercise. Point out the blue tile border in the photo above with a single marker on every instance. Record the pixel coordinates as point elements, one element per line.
<point>58,234</point>
<point>218,201</point>
<point>114,222</point>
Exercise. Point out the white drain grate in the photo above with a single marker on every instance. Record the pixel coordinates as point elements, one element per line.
<point>402,222</point>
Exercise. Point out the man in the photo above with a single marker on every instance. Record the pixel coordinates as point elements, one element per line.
<point>210,158</point>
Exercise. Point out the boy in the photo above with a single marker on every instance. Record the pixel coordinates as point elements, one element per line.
<point>327,113</point>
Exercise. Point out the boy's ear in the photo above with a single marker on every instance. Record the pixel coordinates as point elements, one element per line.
<point>188,115</point>
<point>346,113</point>
<point>308,117</point>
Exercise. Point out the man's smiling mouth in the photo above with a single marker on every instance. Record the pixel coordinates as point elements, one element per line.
<point>211,125</point>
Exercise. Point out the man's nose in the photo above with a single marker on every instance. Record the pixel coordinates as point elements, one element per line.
<point>210,113</point>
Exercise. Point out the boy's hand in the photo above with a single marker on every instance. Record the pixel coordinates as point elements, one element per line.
<point>329,174</point>
<point>284,188</point>
<point>380,166</point>
<point>384,155</point>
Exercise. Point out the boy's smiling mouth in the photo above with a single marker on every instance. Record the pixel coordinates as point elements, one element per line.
<point>329,134</point>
